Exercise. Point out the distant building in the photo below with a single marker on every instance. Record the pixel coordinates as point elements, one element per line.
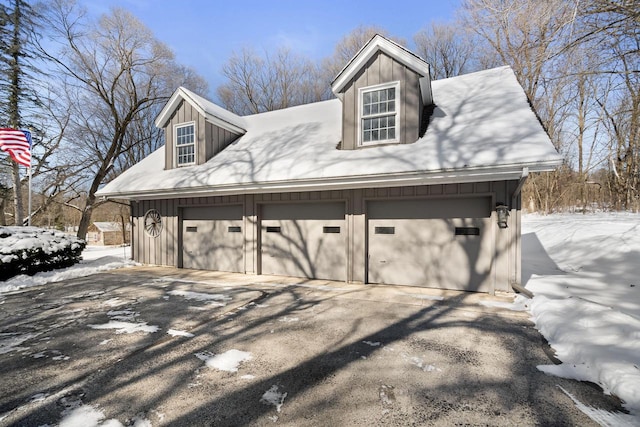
<point>107,234</point>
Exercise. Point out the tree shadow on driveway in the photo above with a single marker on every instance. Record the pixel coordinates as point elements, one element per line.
<point>341,359</point>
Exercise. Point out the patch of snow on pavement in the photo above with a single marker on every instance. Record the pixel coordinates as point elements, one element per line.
<point>288,319</point>
<point>227,361</point>
<point>11,341</point>
<point>273,397</point>
<point>87,416</point>
<point>201,296</point>
<point>177,333</point>
<point>126,327</point>
<point>602,417</point>
<point>372,343</point>
<point>520,303</point>
<point>583,271</point>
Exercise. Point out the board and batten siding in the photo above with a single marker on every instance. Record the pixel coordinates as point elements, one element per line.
<point>381,69</point>
<point>210,139</point>
<point>165,249</point>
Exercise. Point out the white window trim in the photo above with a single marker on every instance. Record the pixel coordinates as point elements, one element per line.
<point>175,144</point>
<point>361,92</point>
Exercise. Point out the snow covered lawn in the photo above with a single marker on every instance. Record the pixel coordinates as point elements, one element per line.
<point>94,260</point>
<point>584,273</point>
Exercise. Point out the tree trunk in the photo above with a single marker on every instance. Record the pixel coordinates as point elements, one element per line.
<point>3,219</point>
<point>85,220</point>
<point>14,109</point>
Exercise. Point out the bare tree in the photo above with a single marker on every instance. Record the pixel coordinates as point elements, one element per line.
<point>448,48</point>
<point>258,83</point>
<point>111,72</point>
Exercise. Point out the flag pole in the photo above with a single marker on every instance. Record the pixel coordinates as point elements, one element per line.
<point>29,223</point>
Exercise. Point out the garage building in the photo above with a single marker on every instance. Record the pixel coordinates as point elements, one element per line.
<point>399,180</point>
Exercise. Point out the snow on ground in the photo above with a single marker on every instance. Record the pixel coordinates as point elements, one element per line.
<point>583,271</point>
<point>95,259</point>
<point>228,361</point>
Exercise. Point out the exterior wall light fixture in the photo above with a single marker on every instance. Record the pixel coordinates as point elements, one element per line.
<point>503,215</point>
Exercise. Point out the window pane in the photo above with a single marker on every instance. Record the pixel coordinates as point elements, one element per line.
<point>392,133</point>
<point>383,108</point>
<point>375,123</point>
<point>392,121</point>
<point>383,122</point>
<point>383,134</point>
<point>374,96</point>
<point>374,135</point>
<point>391,93</point>
<point>391,106</point>
<point>383,95</point>
<point>367,110</point>
<point>367,98</point>
<point>367,136</point>
<point>374,109</point>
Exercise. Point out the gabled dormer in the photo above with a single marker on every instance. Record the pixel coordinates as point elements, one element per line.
<point>196,129</point>
<point>384,91</point>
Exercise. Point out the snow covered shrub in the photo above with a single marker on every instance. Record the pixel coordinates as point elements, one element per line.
<point>28,250</point>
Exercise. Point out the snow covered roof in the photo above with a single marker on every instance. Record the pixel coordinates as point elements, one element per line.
<point>394,50</point>
<point>212,112</point>
<point>482,129</point>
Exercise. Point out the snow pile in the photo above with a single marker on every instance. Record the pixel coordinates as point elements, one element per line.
<point>31,249</point>
<point>582,270</point>
<point>97,260</point>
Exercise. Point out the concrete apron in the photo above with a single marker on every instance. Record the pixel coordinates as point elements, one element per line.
<point>321,353</point>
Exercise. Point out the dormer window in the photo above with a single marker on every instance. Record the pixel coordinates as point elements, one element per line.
<point>379,114</point>
<point>185,144</point>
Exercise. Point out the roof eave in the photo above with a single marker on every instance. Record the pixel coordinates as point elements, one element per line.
<point>444,176</point>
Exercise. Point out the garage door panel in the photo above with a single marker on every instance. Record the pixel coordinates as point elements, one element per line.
<point>453,253</point>
<point>213,239</point>
<point>304,240</point>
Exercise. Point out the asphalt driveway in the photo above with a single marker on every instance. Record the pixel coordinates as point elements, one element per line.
<point>137,345</point>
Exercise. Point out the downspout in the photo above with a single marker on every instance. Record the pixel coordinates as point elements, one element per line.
<point>516,284</point>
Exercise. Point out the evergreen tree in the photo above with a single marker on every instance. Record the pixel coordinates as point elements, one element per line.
<point>18,27</point>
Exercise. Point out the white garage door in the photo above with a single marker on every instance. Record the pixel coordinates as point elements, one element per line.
<point>437,243</point>
<point>304,240</point>
<point>212,238</point>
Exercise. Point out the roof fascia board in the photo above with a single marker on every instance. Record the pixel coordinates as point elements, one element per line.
<point>170,107</point>
<point>224,124</point>
<point>511,172</point>
<point>375,44</point>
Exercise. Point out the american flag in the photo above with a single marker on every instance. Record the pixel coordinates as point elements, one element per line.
<point>18,144</point>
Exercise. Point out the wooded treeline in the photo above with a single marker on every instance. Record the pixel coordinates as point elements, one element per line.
<point>90,90</point>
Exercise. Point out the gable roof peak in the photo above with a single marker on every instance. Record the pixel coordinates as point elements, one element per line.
<point>211,112</point>
<point>375,44</point>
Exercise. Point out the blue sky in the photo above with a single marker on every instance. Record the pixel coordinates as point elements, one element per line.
<point>203,34</point>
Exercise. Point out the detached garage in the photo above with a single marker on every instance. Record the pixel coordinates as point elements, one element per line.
<point>399,180</point>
